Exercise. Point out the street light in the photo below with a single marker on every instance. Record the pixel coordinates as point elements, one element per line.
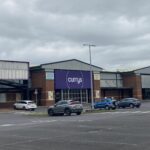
<point>91,77</point>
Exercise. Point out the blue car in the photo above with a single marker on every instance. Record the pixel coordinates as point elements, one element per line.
<point>105,103</point>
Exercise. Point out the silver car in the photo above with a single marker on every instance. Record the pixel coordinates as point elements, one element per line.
<point>66,107</point>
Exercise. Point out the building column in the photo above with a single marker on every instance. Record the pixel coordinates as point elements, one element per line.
<point>96,84</point>
<point>50,92</point>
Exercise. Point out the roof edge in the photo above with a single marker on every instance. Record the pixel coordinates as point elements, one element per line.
<point>70,60</point>
<point>141,68</point>
<point>15,61</point>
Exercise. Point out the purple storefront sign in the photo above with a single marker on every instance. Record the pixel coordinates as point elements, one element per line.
<point>72,79</point>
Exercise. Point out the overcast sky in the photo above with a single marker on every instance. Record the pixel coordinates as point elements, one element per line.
<point>43,31</point>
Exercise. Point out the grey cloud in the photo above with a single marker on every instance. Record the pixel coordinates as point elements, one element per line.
<point>95,6</point>
<point>56,30</point>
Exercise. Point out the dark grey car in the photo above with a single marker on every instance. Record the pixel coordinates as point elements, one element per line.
<point>66,107</point>
<point>129,102</point>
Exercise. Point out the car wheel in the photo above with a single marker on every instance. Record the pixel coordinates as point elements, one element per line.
<point>131,106</point>
<point>24,108</point>
<point>78,113</point>
<point>118,106</point>
<point>67,112</point>
<point>107,108</point>
<point>113,108</point>
<point>61,114</point>
<point>137,106</point>
<point>50,112</point>
<point>15,108</point>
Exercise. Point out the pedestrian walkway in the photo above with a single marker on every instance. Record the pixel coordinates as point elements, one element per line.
<point>6,110</point>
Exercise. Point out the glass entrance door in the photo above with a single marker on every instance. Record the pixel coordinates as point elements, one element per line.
<point>75,94</point>
<point>146,93</point>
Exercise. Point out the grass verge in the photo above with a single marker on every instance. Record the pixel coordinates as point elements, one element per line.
<point>98,111</point>
<point>44,114</point>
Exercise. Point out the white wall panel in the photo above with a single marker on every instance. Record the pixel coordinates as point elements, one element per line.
<point>145,81</point>
<point>111,83</point>
<point>111,76</point>
<point>2,97</point>
<point>108,76</point>
<point>13,74</point>
<point>13,70</point>
<point>143,71</point>
<point>108,83</point>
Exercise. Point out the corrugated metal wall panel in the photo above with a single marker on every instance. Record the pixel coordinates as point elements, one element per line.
<point>111,80</point>
<point>143,71</point>
<point>13,70</point>
<point>2,97</point>
<point>108,76</point>
<point>145,81</point>
<point>111,83</point>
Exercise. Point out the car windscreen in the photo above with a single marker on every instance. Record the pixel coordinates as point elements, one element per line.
<point>31,103</point>
<point>74,102</point>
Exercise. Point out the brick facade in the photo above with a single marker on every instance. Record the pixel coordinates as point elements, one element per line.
<point>50,88</point>
<point>38,82</point>
<point>133,81</point>
<point>47,98</point>
<point>131,87</point>
<point>97,93</point>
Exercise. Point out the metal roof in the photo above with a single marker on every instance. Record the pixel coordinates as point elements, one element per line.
<point>66,64</point>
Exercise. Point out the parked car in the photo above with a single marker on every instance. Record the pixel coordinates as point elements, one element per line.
<point>66,107</point>
<point>25,105</point>
<point>115,102</point>
<point>105,103</point>
<point>129,102</point>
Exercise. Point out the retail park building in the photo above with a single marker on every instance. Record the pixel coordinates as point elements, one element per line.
<point>70,79</point>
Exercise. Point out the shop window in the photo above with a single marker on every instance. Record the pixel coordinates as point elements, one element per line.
<point>2,97</point>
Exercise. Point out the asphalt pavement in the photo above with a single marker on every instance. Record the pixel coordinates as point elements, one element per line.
<point>122,129</point>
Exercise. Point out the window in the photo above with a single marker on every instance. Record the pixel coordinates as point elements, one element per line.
<point>59,103</point>
<point>111,80</point>
<point>2,97</point>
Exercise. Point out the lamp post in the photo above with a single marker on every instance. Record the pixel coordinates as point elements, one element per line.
<point>91,76</point>
<point>36,93</point>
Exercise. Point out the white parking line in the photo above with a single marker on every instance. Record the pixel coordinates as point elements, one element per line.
<point>31,123</point>
<point>127,112</point>
<point>43,121</point>
<point>22,112</point>
<point>7,125</point>
<point>145,112</point>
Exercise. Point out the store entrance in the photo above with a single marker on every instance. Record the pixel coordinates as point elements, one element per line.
<point>82,95</point>
<point>146,93</point>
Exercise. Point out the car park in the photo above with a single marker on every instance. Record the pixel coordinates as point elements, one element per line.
<point>66,107</point>
<point>105,103</point>
<point>25,105</point>
<point>129,102</point>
